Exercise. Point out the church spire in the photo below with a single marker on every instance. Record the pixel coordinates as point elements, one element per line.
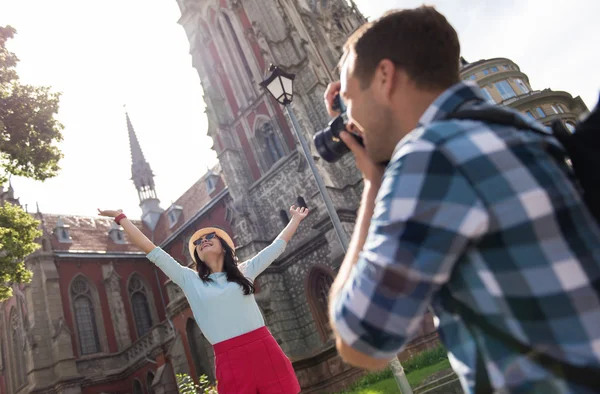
<point>143,179</point>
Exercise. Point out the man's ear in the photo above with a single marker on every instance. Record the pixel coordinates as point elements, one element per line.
<point>385,79</point>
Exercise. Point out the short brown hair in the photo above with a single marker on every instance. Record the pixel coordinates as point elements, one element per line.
<point>419,40</point>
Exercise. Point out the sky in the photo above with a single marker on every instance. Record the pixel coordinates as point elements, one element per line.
<point>133,53</point>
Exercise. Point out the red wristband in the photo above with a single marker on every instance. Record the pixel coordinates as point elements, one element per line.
<point>120,217</point>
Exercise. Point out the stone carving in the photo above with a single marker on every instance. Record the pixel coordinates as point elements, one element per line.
<point>112,283</point>
<point>261,40</point>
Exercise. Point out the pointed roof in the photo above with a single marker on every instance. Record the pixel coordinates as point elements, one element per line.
<point>141,173</point>
<point>136,151</point>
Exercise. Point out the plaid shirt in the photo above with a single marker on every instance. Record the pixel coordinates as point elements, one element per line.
<point>483,212</point>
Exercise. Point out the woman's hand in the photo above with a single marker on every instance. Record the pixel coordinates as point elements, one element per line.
<point>298,213</point>
<point>110,213</point>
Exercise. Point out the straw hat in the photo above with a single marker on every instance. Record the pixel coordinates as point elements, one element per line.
<point>207,230</point>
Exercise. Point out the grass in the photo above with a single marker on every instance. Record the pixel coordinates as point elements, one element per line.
<point>417,369</point>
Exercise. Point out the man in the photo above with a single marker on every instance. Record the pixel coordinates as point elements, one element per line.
<point>478,220</point>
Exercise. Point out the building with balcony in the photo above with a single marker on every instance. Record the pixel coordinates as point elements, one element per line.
<point>502,82</point>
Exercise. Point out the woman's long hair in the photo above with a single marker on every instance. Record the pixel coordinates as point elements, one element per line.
<point>230,266</point>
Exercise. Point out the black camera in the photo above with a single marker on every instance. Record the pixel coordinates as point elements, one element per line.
<point>328,142</point>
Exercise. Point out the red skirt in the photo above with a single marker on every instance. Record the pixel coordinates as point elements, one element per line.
<point>253,363</point>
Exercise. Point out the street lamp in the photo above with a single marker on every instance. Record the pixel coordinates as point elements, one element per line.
<point>281,86</point>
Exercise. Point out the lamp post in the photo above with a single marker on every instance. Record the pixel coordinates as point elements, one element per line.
<point>280,85</point>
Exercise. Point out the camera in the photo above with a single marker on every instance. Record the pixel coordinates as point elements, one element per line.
<point>328,142</point>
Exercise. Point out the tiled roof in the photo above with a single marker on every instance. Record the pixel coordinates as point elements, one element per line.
<point>191,202</point>
<point>87,233</point>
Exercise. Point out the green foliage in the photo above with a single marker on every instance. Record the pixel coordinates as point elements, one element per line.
<point>28,131</point>
<point>28,128</point>
<point>421,360</point>
<point>18,231</point>
<point>186,385</point>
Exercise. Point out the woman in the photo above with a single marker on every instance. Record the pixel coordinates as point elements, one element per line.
<point>221,296</point>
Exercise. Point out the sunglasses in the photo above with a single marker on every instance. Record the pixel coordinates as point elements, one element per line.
<point>207,237</point>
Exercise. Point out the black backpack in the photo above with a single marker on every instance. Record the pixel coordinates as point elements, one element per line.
<point>582,146</point>
<point>583,149</point>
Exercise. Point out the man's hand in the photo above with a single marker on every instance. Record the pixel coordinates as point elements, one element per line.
<point>371,172</point>
<point>333,89</point>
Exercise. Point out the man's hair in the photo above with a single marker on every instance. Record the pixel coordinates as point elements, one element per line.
<point>420,41</point>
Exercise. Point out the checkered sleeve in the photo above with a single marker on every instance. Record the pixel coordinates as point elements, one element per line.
<point>425,215</point>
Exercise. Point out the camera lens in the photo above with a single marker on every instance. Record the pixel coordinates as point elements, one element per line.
<point>328,142</point>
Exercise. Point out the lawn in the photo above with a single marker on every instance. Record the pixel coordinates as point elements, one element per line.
<point>417,369</point>
<point>389,386</point>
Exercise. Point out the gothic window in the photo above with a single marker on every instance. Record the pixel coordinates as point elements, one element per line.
<point>270,147</point>
<point>199,347</point>
<point>318,284</point>
<point>85,317</point>
<point>139,304</point>
<point>232,55</point>
<point>137,387</point>
<point>16,341</point>
<point>238,47</point>
<point>149,380</point>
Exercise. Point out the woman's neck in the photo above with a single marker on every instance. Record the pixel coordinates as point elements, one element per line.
<point>216,265</point>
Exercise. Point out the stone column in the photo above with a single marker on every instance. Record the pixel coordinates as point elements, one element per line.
<point>112,283</point>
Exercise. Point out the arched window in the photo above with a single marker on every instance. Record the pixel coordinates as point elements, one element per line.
<point>270,147</point>
<point>18,351</point>
<point>301,203</point>
<point>149,380</point>
<point>85,317</point>
<point>137,387</point>
<point>238,47</point>
<point>199,347</point>
<point>139,305</point>
<point>318,284</point>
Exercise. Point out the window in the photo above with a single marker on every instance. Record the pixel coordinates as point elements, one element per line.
<point>473,77</point>
<point>505,90</point>
<point>85,318</point>
<point>211,184</point>
<point>560,108</point>
<point>554,109</point>
<point>506,67</point>
<point>200,348</point>
<point>570,127</point>
<point>529,114</point>
<point>137,387</point>
<point>301,202</point>
<point>318,284</point>
<point>139,305</point>
<point>238,46</point>
<point>522,86</point>
<point>270,147</point>
<point>284,217</point>
<point>149,381</point>
<point>486,72</point>
<point>174,213</point>
<point>494,69</point>
<point>19,372</point>
<point>488,96</point>
<point>540,112</point>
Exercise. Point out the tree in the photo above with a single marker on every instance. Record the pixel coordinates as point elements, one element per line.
<point>28,129</point>
<point>28,132</point>
<point>18,232</point>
